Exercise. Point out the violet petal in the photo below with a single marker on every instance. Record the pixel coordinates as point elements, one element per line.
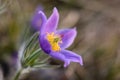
<point>52,22</point>
<point>72,57</point>
<point>67,57</point>
<point>60,56</point>
<point>44,44</point>
<point>68,36</point>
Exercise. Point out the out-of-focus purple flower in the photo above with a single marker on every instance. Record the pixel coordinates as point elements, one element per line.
<point>15,56</point>
<point>37,19</point>
<point>15,60</point>
<point>54,42</point>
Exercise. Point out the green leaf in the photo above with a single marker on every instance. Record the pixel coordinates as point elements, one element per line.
<point>30,59</point>
<point>44,65</point>
<point>26,45</point>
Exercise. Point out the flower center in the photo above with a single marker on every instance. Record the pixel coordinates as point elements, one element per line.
<point>54,41</point>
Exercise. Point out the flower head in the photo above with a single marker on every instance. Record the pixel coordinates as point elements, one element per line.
<point>54,42</point>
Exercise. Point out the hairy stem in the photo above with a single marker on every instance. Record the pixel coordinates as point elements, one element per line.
<point>18,74</point>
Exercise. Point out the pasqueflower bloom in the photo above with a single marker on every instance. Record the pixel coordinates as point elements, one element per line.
<point>54,42</point>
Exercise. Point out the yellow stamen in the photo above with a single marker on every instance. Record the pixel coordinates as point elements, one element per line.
<point>54,41</point>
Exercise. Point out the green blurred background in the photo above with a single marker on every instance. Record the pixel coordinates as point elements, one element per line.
<point>98,39</point>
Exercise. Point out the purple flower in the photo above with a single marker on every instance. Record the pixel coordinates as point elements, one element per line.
<point>54,42</point>
<point>36,21</point>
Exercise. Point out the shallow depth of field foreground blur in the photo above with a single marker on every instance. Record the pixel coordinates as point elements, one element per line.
<point>97,41</point>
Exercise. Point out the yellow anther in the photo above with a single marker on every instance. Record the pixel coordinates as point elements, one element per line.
<point>55,47</point>
<point>50,37</point>
<point>54,41</point>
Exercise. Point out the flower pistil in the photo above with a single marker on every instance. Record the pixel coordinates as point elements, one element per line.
<point>54,41</point>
